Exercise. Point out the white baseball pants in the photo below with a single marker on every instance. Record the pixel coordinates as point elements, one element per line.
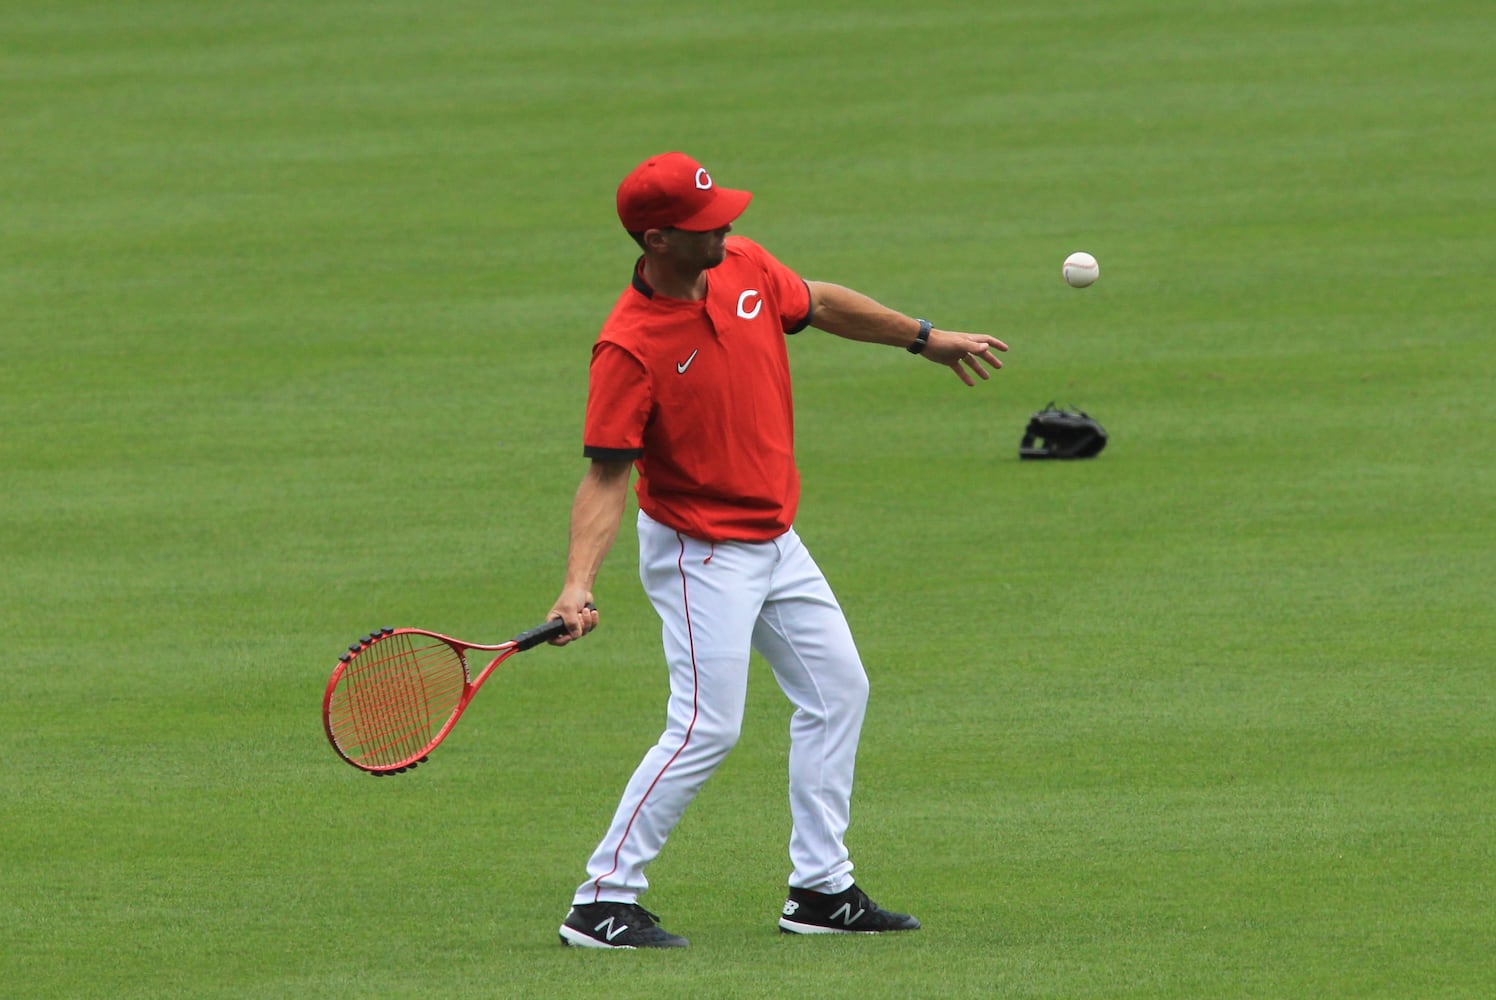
<point>716,601</point>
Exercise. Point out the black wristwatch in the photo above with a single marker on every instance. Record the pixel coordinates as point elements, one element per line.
<point>922,340</point>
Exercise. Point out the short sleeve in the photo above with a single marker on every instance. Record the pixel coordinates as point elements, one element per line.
<point>618,405</point>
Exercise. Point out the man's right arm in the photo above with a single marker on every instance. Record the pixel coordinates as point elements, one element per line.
<point>595,516</point>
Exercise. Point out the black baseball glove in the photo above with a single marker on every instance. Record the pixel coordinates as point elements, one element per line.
<point>1055,433</point>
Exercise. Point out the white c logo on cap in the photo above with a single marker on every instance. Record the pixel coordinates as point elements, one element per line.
<point>758,303</point>
<point>703,179</point>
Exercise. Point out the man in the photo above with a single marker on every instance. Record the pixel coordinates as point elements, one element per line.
<point>690,385</point>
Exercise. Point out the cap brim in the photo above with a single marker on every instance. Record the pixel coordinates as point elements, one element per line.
<point>727,206</point>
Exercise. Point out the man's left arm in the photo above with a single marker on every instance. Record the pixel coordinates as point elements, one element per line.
<point>846,313</point>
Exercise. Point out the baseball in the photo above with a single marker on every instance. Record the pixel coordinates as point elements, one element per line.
<point>1080,269</point>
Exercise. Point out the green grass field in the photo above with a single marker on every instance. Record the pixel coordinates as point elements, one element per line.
<point>295,308</point>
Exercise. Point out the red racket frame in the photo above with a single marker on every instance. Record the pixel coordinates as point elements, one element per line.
<point>380,706</point>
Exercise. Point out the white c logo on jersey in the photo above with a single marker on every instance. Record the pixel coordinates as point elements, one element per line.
<point>758,304</point>
<point>703,179</point>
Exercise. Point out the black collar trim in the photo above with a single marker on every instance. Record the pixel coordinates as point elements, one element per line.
<point>640,285</point>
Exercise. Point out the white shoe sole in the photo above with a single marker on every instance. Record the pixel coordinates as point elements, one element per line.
<point>576,939</point>
<point>794,927</point>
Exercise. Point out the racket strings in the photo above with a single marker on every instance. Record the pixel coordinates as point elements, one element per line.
<point>395,697</point>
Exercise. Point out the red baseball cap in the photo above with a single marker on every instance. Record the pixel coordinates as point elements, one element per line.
<point>673,191</point>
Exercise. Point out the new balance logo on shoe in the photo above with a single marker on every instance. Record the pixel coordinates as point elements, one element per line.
<point>611,932</point>
<point>847,912</point>
<point>845,915</point>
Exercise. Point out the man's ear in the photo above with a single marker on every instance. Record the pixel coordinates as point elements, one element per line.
<point>656,239</point>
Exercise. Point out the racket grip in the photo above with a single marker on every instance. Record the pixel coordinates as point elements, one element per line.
<point>542,633</point>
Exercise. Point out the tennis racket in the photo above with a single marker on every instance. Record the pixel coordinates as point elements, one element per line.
<point>397,693</point>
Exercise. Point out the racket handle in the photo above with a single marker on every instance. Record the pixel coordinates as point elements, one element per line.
<point>543,633</point>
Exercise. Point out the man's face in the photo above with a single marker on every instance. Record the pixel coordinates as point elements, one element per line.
<point>698,251</point>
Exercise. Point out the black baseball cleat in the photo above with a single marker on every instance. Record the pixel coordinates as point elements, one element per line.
<point>846,912</point>
<point>616,925</point>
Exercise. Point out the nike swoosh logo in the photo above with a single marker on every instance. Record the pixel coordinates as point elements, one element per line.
<point>681,366</point>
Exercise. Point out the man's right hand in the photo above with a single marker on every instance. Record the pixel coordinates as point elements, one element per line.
<point>574,607</point>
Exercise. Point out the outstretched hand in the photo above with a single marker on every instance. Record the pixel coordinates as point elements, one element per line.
<point>965,353</point>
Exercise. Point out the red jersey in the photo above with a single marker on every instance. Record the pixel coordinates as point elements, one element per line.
<point>697,395</point>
